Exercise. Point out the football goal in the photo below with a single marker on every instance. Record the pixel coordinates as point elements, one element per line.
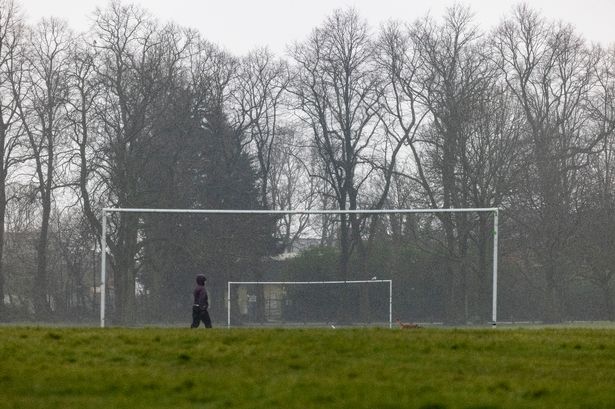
<point>310,303</point>
<point>299,267</point>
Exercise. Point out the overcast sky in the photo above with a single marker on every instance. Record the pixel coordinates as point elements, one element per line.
<point>240,25</point>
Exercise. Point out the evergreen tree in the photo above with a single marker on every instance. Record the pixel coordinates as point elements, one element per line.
<point>199,162</point>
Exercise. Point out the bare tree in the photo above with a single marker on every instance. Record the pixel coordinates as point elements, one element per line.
<point>136,61</point>
<point>20,240</point>
<point>261,95</point>
<point>597,208</point>
<point>337,91</point>
<point>548,69</point>
<point>261,84</point>
<point>11,34</point>
<point>291,187</point>
<point>443,102</point>
<point>42,111</point>
<point>453,78</point>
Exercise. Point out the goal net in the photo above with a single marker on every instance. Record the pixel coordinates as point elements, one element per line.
<point>442,263</point>
<point>310,303</point>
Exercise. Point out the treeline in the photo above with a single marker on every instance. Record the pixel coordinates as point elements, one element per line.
<point>419,113</point>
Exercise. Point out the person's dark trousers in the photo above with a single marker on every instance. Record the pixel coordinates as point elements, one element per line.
<point>199,315</point>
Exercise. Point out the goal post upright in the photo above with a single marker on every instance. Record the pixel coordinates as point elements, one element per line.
<point>109,210</point>
<point>390,303</point>
<point>494,291</point>
<point>228,305</point>
<point>103,267</point>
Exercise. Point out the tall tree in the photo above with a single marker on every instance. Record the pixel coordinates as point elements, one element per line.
<point>136,61</point>
<point>11,35</point>
<point>43,114</point>
<point>260,87</point>
<point>548,69</point>
<point>453,78</point>
<point>596,238</point>
<point>337,91</point>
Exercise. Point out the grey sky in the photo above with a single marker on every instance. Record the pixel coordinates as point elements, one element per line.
<point>240,25</point>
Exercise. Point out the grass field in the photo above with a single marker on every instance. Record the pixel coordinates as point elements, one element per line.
<point>315,368</point>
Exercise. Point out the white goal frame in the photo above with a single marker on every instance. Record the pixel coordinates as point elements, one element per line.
<point>228,307</point>
<point>110,210</point>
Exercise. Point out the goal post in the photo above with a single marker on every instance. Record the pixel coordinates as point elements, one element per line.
<point>140,212</point>
<point>388,283</point>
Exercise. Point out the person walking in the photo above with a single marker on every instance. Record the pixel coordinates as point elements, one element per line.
<point>201,304</point>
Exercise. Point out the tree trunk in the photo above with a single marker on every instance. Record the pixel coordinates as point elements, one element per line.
<point>608,301</point>
<point>124,274</point>
<point>552,311</point>
<point>41,302</point>
<point>452,305</point>
<point>482,271</point>
<point>2,226</point>
<point>344,268</point>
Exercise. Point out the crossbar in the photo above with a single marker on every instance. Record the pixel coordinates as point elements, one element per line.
<point>356,211</point>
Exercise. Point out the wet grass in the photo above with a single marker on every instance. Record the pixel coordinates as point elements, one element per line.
<point>315,368</point>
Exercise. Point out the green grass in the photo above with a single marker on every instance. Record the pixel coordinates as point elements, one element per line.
<point>315,368</point>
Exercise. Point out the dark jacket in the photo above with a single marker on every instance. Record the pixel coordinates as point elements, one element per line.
<point>200,297</point>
